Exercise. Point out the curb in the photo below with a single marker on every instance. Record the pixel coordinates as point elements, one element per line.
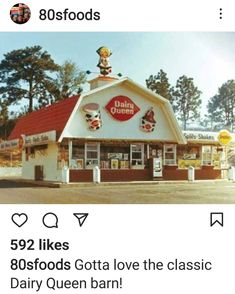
<point>106,184</point>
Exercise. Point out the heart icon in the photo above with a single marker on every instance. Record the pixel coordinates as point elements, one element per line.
<point>19,219</point>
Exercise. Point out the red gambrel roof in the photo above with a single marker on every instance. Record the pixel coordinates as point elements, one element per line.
<point>49,118</point>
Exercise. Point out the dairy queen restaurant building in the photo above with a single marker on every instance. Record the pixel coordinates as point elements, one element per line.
<point>127,131</point>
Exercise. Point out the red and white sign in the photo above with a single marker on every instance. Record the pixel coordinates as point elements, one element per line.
<point>122,108</point>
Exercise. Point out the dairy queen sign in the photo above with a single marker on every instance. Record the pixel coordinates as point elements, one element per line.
<point>122,108</point>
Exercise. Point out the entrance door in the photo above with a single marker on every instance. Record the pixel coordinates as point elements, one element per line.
<point>38,173</point>
<point>157,166</point>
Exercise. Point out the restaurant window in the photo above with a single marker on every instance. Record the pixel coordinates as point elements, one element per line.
<point>217,153</point>
<point>189,155</point>
<point>212,155</point>
<point>206,155</point>
<point>92,154</point>
<point>137,154</point>
<point>114,156</point>
<point>78,154</point>
<point>170,154</point>
<point>63,155</point>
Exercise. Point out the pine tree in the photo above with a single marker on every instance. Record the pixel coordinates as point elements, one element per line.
<point>4,117</point>
<point>221,107</point>
<point>186,100</point>
<point>24,74</point>
<point>68,82</point>
<point>159,84</point>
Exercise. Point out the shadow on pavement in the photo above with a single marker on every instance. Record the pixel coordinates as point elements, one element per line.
<point>5,184</point>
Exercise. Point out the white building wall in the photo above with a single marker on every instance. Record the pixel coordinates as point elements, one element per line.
<point>10,171</point>
<point>48,159</point>
<point>114,129</point>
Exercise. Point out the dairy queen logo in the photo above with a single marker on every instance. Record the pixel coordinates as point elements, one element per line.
<point>122,108</point>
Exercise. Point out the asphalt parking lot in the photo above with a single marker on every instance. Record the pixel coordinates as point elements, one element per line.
<point>214,192</point>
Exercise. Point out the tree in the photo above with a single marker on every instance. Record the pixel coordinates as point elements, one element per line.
<point>68,82</point>
<point>213,116</point>
<point>221,107</point>
<point>24,74</point>
<point>4,116</point>
<point>160,85</point>
<point>7,122</point>
<point>186,100</point>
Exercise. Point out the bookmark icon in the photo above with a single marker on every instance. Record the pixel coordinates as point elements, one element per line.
<point>216,218</point>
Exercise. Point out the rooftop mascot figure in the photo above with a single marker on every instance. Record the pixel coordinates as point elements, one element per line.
<point>104,65</point>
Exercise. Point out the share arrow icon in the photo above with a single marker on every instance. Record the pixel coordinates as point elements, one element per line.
<point>81,217</point>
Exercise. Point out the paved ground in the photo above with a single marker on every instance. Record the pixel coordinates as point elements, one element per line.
<point>175,193</point>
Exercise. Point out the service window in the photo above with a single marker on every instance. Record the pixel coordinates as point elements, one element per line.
<point>114,156</point>
<point>78,155</point>
<point>77,151</point>
<point>63,155</point>
<point>206,155</point>
<point>211,155</point>
<point>170,154</point>
<point>92,154</point>
<point>137,154</point>
<point>216,157</point>
<point>189,156</point>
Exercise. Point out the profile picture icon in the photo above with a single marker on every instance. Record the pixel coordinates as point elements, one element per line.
<point>20,13</point>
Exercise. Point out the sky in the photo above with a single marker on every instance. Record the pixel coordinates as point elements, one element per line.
<point>207,57</point>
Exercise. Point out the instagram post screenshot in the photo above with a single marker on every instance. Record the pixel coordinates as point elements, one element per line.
<point>117,147</point>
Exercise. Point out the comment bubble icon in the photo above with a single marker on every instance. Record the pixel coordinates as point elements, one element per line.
<point>50,220</point>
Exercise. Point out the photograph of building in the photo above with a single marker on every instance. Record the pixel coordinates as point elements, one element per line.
<point>130,133</point>
<point>132,117</point>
